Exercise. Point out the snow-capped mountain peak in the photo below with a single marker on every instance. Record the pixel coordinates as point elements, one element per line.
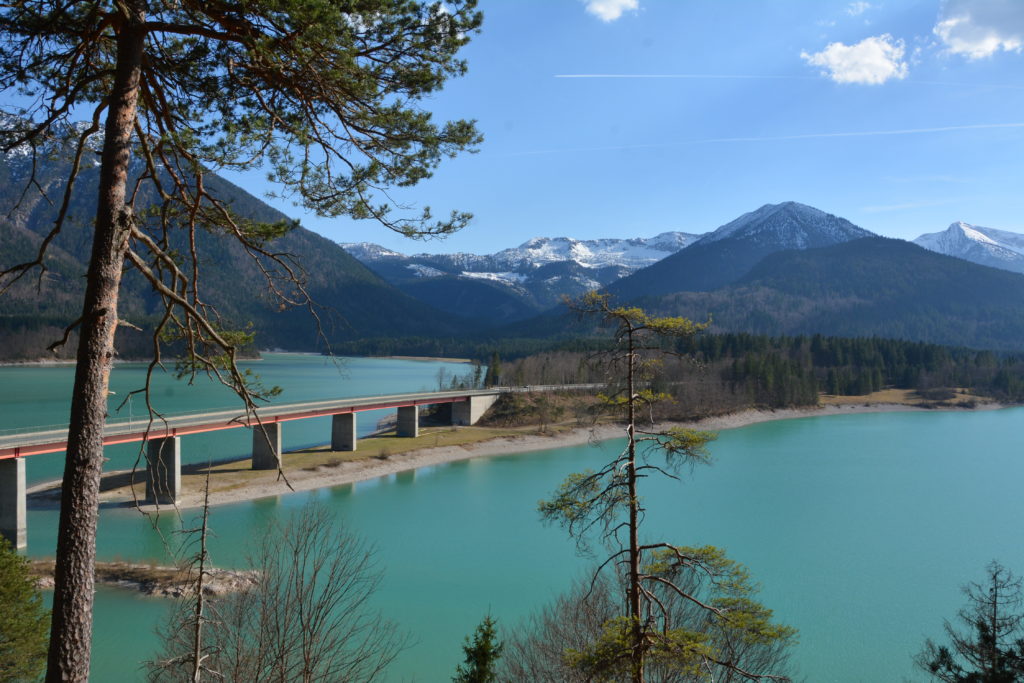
<point>789,225</point>
<point>986,246</point>
<point>971,233</point>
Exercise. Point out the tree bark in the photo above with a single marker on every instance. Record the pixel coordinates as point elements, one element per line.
<point>71,629</point>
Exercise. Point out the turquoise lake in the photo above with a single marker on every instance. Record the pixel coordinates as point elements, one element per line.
<point>860,528</point>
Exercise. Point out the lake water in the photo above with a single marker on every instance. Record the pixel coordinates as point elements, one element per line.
<point>860,528</point>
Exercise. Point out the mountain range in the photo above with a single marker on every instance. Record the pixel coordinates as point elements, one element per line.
<point>760,272</point>
<point>781,269</point>
<point>514,284</point>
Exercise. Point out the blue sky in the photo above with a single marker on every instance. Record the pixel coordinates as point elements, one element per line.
<point>626,118</point>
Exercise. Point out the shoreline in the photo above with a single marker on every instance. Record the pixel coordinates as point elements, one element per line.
<point>351,472</point>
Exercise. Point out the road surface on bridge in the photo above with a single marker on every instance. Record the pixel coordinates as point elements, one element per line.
<point>53,440</point>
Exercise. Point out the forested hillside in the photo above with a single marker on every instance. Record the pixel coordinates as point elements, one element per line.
<point>868,287</point>
<point>352,300</point>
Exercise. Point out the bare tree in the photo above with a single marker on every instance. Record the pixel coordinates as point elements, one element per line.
<point>306,618</point>
<point>322,93</point>
<point>655,574</point>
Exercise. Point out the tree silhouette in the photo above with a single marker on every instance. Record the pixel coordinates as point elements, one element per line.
<point>991,649</point>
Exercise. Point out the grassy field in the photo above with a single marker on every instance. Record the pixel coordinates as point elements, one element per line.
<point>909,397</point>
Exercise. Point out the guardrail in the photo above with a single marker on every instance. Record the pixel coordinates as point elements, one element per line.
<point>131,428</point>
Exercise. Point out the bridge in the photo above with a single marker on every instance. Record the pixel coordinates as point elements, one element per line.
<point>163,440</point>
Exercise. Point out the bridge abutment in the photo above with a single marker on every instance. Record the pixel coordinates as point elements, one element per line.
<point>266,446</point>
<point>408,421</point>
<point>343,432</point>
<point>163,470</point>
<point>13,508</point>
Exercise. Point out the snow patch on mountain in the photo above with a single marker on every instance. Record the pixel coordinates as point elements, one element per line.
<point>985,246</point>
<point>368,251</point>
<point>631,254</point>
<point>601,253</point>
<point>542,269</point>
<point>59,141</point>
<point>424,271</point>
<point>506,278</point>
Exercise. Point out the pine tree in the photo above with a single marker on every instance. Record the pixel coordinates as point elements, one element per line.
<point>323,95</point>
<point>653,573</point>
<point>24,621</point>
<point>482,655</point>
<point>493,376</point>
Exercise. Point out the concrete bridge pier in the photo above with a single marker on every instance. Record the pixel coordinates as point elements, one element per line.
<point>13,515</point>
<point>266,446</point>
<point>408,421</point>
<point>343,432</point>
<point>163,470</point>
<point>468,412</point>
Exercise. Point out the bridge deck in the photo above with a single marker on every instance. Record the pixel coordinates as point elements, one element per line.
<point>125,431</point>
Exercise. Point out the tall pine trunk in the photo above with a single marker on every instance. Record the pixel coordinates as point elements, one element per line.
<point>71,630</point>
<point>634,522</point>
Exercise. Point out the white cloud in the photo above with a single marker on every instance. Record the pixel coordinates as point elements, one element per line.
<point>872,61</point>
<point>610,10</point>
<point>980,28</point>
<point>856,8</point>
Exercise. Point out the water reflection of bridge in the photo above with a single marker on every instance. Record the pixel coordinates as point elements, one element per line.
<point>163,440</point>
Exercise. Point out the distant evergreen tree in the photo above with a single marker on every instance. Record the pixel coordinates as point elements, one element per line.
<point>482,654</point>
<point>493,376</point>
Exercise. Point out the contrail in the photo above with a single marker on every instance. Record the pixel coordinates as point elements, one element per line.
<point>690,76</point>
<point>777,138</point>
<point>747,77</point>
